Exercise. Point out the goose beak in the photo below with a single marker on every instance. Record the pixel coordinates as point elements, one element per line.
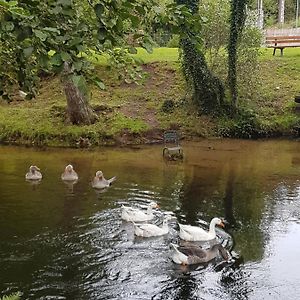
<point>222,225</point>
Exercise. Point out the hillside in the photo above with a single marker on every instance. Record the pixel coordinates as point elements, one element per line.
<point>133,114</point>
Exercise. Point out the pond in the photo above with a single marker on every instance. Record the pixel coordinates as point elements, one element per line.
<point>62,241</point>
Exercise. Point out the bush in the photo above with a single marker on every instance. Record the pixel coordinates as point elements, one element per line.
<point>15,296</point>
<point>168,106</point>
<point>174,41</point>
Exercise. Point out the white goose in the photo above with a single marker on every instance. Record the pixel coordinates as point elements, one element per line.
<point>33,173</point>
<point>99,182</point>
<point>131,214</point>
<point>148,230</point>
<point>69,174</point>
<point>194,233</point>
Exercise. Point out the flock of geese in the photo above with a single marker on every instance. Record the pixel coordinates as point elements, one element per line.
<point>99,182</point>
<point>186,254</point>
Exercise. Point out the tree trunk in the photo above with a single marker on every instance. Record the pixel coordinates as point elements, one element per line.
<point>281,12</point>
<point>237,22</point>
<point>78,109</point>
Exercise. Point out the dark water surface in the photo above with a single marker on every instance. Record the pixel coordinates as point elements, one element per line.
<point>60,241</point>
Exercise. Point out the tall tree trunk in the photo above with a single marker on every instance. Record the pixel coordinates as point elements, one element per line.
<point>281,11</point>
<point>78,109</point>
<point>237,21</point>
<point>208,89</point>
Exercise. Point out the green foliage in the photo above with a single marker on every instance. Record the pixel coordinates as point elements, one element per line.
<point>244,125</point>
<point>215,30</point>
<point>174,41</point>
<point>15,296</point>
<point>69,30</point>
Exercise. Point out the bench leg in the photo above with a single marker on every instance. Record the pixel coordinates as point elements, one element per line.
<point>281,51</point>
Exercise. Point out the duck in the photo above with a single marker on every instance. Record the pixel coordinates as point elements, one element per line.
<point>148,230</point>
<point>99,182</point>
<point>195,233</point>
<point>69,174</point>
<point>192,254</point>
<point>131,214</point>
<point>34,173</point>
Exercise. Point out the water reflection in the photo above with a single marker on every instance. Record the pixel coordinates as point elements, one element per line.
<point>63,241</point>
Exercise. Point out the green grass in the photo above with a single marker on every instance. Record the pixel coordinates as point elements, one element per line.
<point>158,55</point>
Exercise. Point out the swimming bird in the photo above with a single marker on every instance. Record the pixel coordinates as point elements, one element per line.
<point>99,182</point>
<point>131,214</point>
<point>34,173</point>
<point>192,254</point>
<point>195,233</point>
<point>148,230</point>
<point>69,174</point>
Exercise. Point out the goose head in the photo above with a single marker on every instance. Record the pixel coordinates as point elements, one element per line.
<point>153,205</point>
<point>69,169</point>
<point>99,174</point>
<point>217,221</point>
<point>32,169</point>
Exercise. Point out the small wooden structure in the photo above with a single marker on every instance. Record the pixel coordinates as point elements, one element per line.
<point>172,149</point>
<point>282,38</point>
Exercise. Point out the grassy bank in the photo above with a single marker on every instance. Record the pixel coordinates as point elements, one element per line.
<point>130,113</point>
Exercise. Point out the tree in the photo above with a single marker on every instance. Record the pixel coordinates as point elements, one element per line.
<point>57,36</point>
<point>208,88</point>
<point>237,22</point>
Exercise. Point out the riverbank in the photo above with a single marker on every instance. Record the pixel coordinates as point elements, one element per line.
<point>136,114</point>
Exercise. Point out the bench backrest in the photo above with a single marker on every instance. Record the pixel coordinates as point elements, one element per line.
<point>286,40</point>
<point>171,136</point>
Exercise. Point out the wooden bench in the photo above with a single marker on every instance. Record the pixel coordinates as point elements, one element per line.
<point>282,41</point>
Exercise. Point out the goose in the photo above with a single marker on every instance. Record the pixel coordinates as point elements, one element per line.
<point>99,182</point>
<point>195,233</point>
<point>131,214</point>
<point>190,255</point>
<point>33,173</point>
<point>69,174</point>
<point>148,230</point>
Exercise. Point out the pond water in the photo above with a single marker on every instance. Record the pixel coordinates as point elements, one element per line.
<point>60,241</point>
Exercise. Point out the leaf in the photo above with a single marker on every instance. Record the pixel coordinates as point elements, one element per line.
<point>64,2</point>
<point>9,26</point>
<point>100,84</point>
<point>41,35</point>
<point>132,50</point>
<point>76,41</point>
<point>65,56</point>
<point>101,34</point>
<point>77,65</point>
<point>28,51</point>
<point>80,82</point>
<point>56,59</point>
<point>147,46</point>
<point>135,21</point>
<point>51,29</point>
<point>43,60</point>
<point>99,9</point>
